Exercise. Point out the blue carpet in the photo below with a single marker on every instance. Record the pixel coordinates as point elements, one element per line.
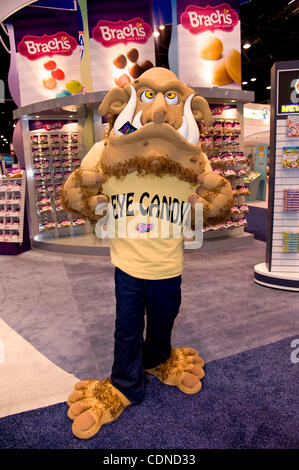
<point>249,400</point>
<point>257,222</point>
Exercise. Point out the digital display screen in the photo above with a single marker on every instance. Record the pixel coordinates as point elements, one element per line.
<point>288,92</point>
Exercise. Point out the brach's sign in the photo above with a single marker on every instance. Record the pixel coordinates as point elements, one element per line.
<point>110,33</point>
<point>209,43</point>
<point>35,47</point>
<point>121,41</point>
<point>47,54</point>
<point>53,126</point>
<point>198,19</point>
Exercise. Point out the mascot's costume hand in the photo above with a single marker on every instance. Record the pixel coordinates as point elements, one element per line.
<point>151,156</point>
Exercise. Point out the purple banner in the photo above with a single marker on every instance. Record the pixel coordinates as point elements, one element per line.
<point>52,125</point>
<point>209,43</point>
<point>121,41</point>
<point>47,53</point>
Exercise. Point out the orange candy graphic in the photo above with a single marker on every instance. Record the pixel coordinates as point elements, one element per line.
<point>49,83</point>
<point>50,65</point>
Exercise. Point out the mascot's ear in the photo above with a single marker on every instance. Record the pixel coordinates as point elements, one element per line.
<point>114,102</point>
<point>201,110</point>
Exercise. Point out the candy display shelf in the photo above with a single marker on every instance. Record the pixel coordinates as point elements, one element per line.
<point>12,205</point>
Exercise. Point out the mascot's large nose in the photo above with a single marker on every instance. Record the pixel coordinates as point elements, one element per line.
<point>159,109</point>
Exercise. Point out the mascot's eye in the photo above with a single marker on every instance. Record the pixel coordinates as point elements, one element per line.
<point>147,96</point>
<point>171,98</point>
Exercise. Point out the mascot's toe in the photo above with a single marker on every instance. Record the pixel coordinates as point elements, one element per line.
<point>184,369</point>
<point>92,404</point>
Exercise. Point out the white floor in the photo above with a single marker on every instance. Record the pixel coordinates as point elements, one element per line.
<point>28,379</point>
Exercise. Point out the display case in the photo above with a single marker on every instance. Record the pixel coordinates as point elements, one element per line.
<point>12,205</point>
<point>281,269</point>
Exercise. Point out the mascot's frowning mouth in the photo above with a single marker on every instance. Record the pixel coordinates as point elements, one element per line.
<point>156,126</point>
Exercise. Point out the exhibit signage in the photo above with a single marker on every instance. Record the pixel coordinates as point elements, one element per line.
<point>47,53</point>
<point>209,43</point>
<point>121,41</point>
<point>288,92</point>
<point>284,166</point>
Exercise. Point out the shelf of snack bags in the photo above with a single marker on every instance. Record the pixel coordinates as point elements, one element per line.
<point>12,205</point>
<point>221,143</point>
<point>55,155</point>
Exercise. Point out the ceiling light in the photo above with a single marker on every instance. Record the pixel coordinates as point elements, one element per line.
<point>232,101</point>
<point>156,34</point>
<point>289,3</point>
<point>244,83</point>
<point>71,115</point>
<point>268,87</point>
<point>162,27</point>
<point>247,45</point>
<point>37,116</point>
<point>253,79</point>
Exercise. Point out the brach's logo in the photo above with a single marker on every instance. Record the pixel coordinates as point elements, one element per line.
<point>110,33</point>
<point>35,47</point>
<point>54,126</point>
<point>199,19</point>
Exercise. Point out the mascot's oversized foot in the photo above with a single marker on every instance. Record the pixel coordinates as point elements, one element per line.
<point>184,368</point>
<point>92,404</point>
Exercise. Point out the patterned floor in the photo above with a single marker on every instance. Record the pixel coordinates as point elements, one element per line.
<point>57,327</point>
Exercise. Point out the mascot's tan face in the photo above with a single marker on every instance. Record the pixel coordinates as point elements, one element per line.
<point>155,130</point>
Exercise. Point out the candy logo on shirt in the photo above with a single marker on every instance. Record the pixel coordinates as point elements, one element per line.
<point>110,33</point>
<point>199,19</point>
<point>35,47</point>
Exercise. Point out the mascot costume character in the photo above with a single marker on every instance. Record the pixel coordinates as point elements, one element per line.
<point>150,156</point>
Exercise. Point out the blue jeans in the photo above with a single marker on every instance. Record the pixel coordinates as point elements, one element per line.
<point>160,301</point>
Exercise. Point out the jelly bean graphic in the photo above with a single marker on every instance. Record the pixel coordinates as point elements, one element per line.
<point>63,93</point>
<point>120,61</point>
<point>123,80</point>
<point>50,65</point>
<point>49,83</point>
<point>58,74</point>
<point>73,86</point>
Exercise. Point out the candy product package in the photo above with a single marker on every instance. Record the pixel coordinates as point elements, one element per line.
<point>74,138</point>
<point>35,151</point>
<point>38,176</point>
<point>217,127</point>
<point>237,127</point>
<point>56,163</point>
<point>65,150</point>
<point>76,162</point>
<point>66,162</point>
<point>226,140</point>
<point>45,151</point>
<point>43,138</point>
<point>65,138</point>
<point>54,138</point>
<point>227,127</point>
<point>34,139</point>
<point>55,150</point>
<point>44,163</point>
<point>218,141</point>
<point>74,150</point>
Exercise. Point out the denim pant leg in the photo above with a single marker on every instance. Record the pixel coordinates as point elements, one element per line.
<point>163,300</point>
<point>127,371</point>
